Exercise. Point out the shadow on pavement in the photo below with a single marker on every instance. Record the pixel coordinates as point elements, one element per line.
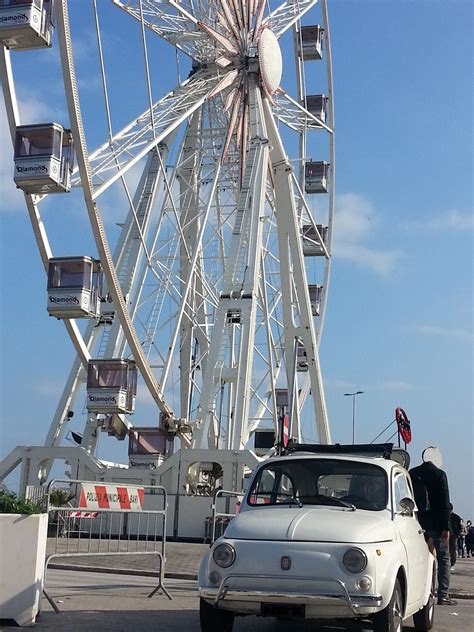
<point>118,621</point>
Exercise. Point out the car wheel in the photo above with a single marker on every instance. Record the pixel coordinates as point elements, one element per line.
<point>424,618</point>
<point>390,619</point>
<point>213,619</point>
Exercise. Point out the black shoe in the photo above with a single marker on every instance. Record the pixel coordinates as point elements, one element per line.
<point>446,601</point>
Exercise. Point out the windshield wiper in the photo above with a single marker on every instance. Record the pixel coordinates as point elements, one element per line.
<point>321,499</point>
<point>291,500</point>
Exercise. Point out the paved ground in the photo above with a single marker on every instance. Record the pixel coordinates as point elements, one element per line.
<point>182,558</point>
<point>182,562</point>
<point>100,602</point>
<point>115,598</point>
<point>462,579</point>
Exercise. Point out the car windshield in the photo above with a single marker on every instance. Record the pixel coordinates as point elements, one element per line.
<point>320,482</point>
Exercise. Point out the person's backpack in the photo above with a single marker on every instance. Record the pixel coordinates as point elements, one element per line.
<point>420,491</point>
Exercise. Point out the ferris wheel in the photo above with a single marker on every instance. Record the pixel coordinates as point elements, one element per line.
<point>215,292</point>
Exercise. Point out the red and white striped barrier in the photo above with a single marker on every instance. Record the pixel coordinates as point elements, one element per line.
<point>126,498</point>
<point>83,514</point>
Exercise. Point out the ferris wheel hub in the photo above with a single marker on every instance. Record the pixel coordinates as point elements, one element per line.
<point>270,61</point>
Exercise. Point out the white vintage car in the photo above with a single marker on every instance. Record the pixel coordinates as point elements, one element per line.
<point>328,534</point>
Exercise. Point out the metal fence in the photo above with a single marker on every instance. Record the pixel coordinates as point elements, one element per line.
<point>35,494</point>
<point>220,519</point>
<point>87,528</point>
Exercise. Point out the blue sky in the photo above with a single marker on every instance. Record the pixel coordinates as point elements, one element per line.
<point>400,316</point>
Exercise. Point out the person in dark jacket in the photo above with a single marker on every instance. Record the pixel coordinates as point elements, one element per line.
<point>431,488</point>
<point>454,531</point>
<point>469,539</point>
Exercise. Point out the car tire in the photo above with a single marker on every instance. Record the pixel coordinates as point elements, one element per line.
<point>390,619</point>
<point>423,619</point>
<point>213,620</point>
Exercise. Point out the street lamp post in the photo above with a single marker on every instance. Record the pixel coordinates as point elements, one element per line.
<point>353,395</point>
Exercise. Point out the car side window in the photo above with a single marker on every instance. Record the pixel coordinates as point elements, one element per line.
<point>273,487</point>
<point>401,489</point>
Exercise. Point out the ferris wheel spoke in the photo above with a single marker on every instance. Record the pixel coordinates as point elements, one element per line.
<point>185,303</point>
<point>259,13</point>
<point>172,22</point>
<point>113,159</point>
<point>295,115</point>
<point>227,19</point>
<point>220,39</point>
<point>176,267</point>
<point>225,82</point>
<point>283,17</point>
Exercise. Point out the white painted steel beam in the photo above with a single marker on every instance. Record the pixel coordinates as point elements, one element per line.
<point>284,16</point>
<point>113,159</point>
<point>173,23</point>
<point>296,116</point>
<point>291,258</point>
<point>239,295</point>
<point>188,174</point>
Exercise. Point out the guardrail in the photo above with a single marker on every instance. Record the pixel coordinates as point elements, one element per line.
<point>107,519</point>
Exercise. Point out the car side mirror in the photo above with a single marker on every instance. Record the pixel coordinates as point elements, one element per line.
<point>408,506</point>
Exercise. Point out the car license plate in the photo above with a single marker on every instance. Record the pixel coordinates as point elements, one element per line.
<point>283,610</point>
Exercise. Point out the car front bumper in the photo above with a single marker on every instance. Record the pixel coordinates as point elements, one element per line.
<point>232,594</point>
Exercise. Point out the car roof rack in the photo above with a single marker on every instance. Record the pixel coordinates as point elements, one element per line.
<point>362,449</point>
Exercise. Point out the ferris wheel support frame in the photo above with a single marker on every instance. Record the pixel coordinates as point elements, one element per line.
<point>290,242</point>
<point>238,294</point>
<point>189,211</point>
<point>95,180</point>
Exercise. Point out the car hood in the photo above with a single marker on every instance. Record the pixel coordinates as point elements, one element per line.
<point>313,524</point>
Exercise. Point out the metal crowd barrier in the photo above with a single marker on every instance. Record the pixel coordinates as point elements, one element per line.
<point>83,530</point>
<point>219,518</point>
<point>35,494</point>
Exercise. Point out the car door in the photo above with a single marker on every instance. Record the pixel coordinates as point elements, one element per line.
<point>412,538</point>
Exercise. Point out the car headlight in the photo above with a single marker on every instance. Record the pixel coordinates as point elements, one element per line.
<point>224,555</point>
<point>354,560</point>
